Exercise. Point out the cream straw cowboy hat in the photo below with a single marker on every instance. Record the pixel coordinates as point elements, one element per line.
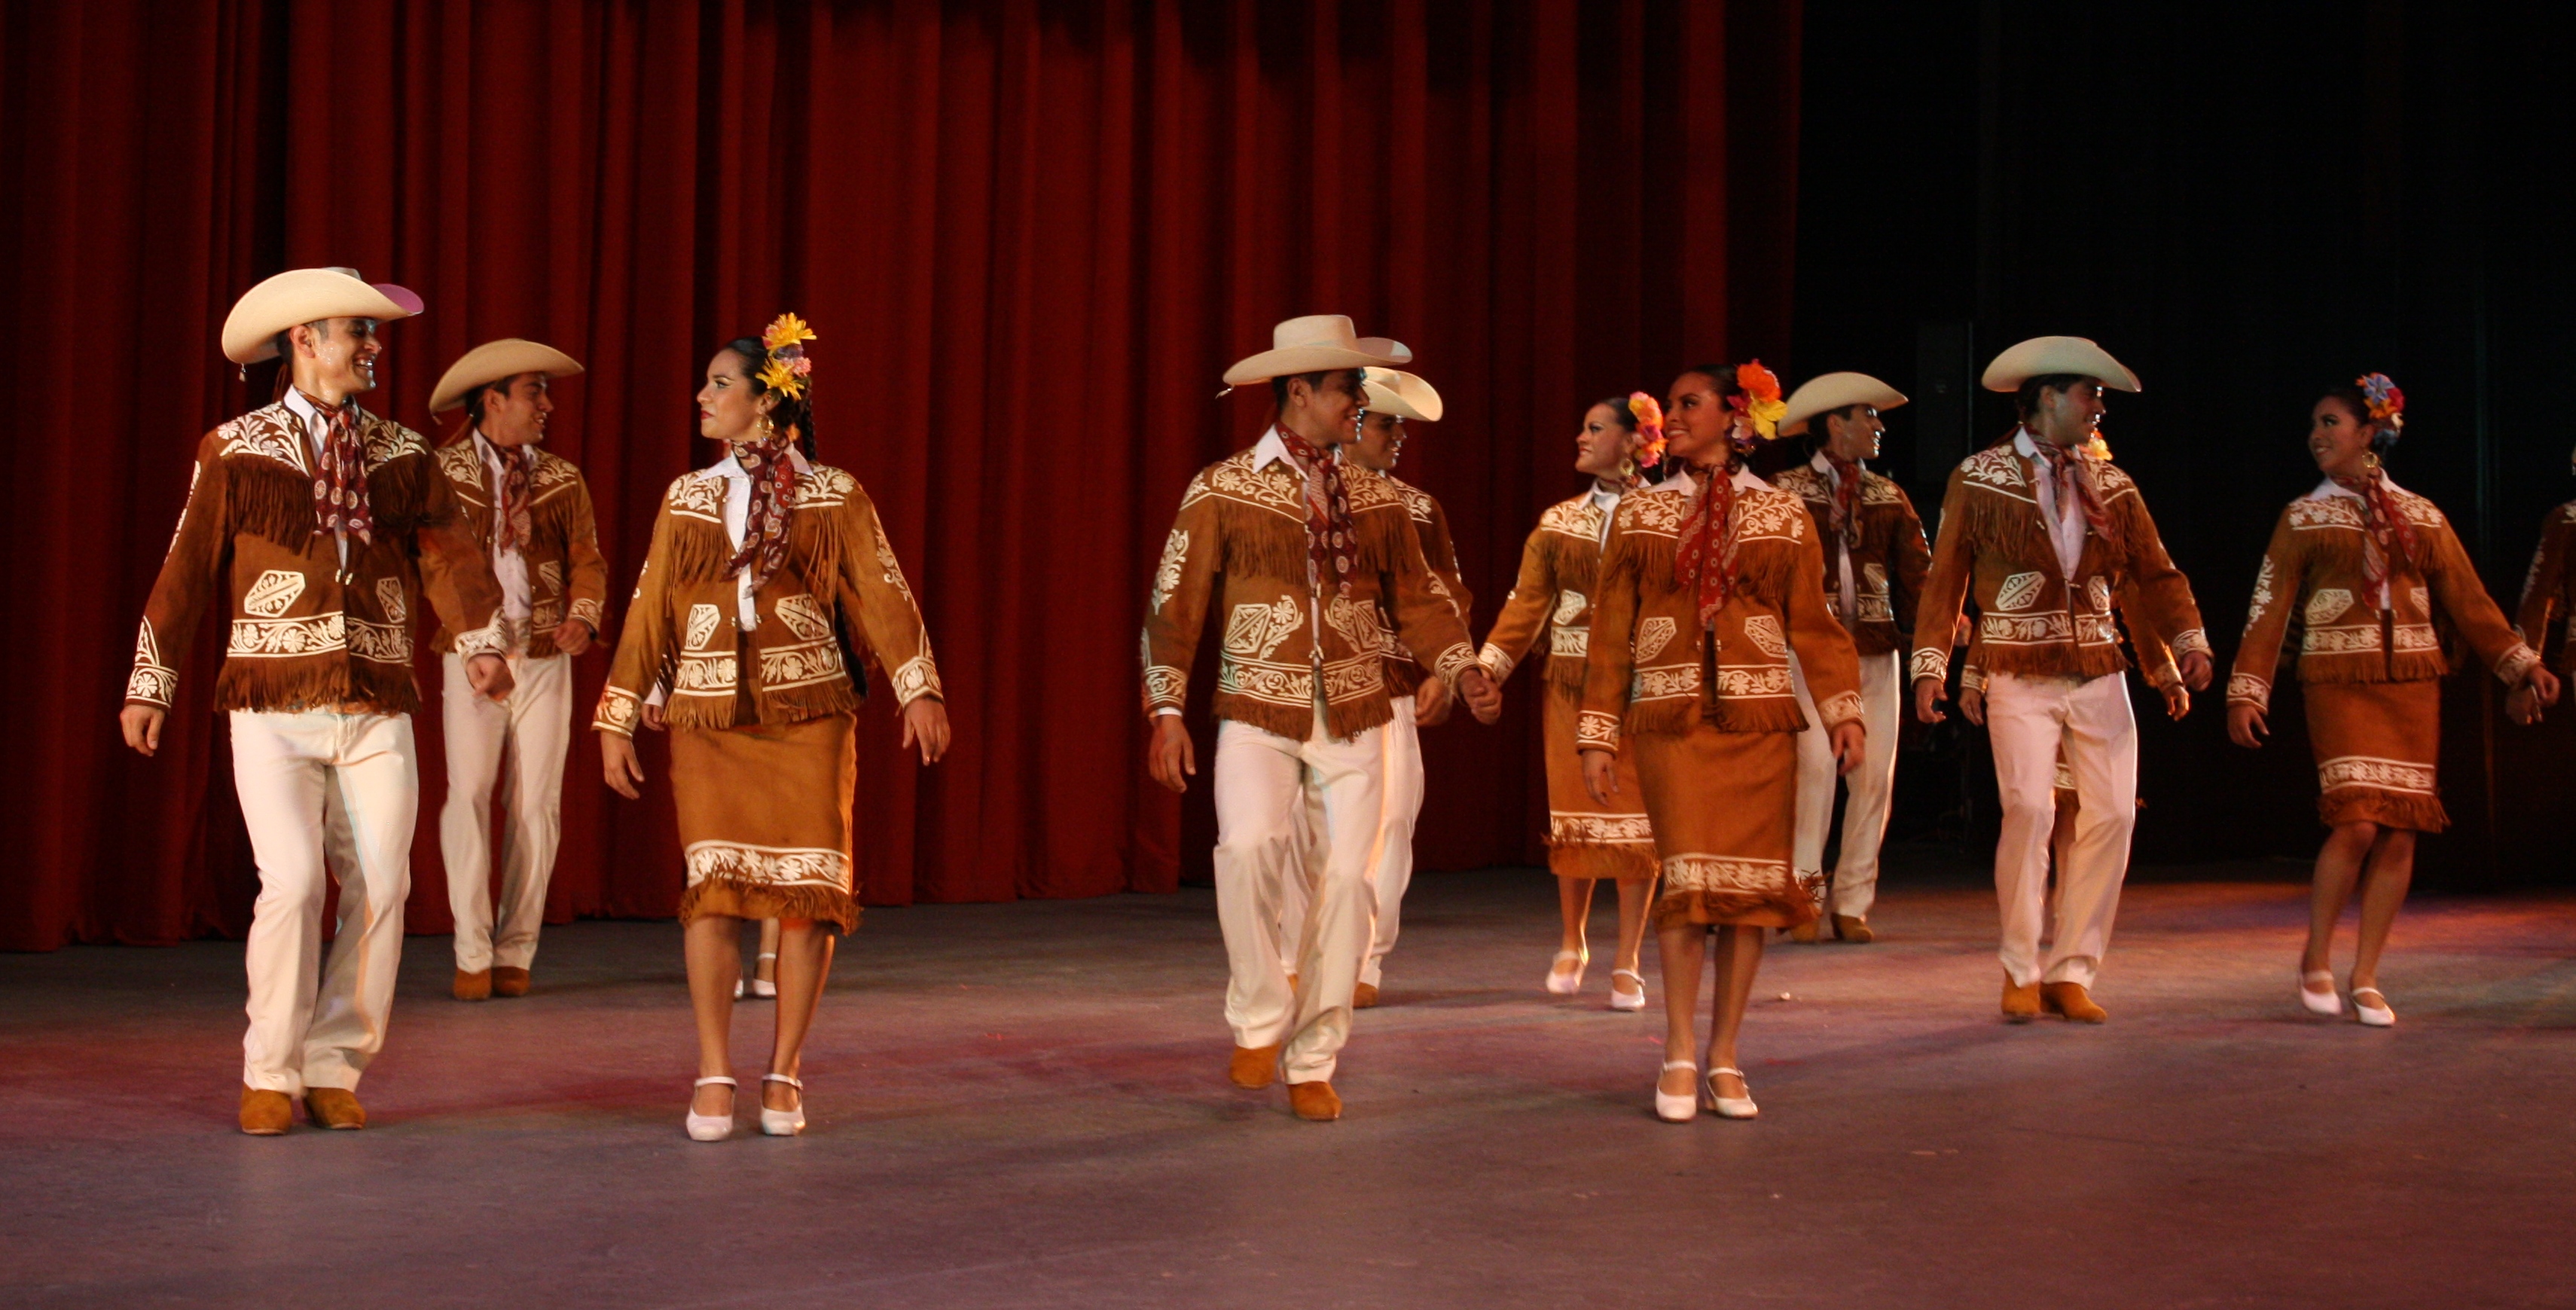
<point>1832,391</point>
<point>2040,357</point>
<point>494,360</point>
<point>1387,391</point>
<point>307,295</point>
<point>1316,343</point>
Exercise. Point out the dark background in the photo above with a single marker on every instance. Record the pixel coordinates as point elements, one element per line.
<point>2246,203</point>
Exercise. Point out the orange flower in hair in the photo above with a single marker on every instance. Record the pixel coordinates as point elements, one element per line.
<point>1650,429</point>
<point>1757,403</point>
<point>787,367</point>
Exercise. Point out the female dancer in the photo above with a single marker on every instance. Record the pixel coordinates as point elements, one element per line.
<point>2549,594</point>
<point>1586,842</point>
<point>1708,582</point>
<point>2367,565</point>
<point>768,577</point>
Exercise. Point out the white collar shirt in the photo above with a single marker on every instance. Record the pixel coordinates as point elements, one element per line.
<point>2065,522</point>
<point>508,566</point>
<point>1850,587</point>
<point>317,430</point>
<point>1606,501</point>
<point>737,517</point>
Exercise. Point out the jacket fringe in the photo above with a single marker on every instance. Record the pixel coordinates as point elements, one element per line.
<point>797,704</point>
<point>396,498</point>
<point>2008,525</point>
<point>1575,566</point>
<point>757,900</point>
<point>1663,718</point>
<point>1685,909</point>
<point>1625,863</point>
<point>1565,674</point>
<point>2052,660</point>
<point>269,500</point>
<point>1763,572</point>
<point>1770,715</point>
<point>699,553</point>
<point>281,685</point>
<point>1278,720</point>
<point>1260,543</point>
<point>1350,719</point>
<point>2387,809</point>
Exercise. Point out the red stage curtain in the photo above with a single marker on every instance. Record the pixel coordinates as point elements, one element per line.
<point>1031,235</point>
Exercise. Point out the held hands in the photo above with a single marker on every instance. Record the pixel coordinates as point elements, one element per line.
<point>2177,701</point>
<point>2196,671</point>
<point>573,636</point>
<point>2245,725</point>
<point>490,676</point>
<point>925,724</point>
<point>1170,759</point>
<point>1848,737</point>
<point>142,727</point>
<point>2524,703</point>
<point>1484,699</point>
<point>1927,698</point>
<point>1432,702</point>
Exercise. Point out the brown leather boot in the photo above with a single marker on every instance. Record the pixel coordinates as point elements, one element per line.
<point>264,1113</point>
<point>334,1107</point>
<point>1364,997</point>
<point>2072,1001</point>
<point>1804,934</point>
<point>472,986</point>
<point>1853,928</point>
<point>2021,1001</point>
<point>1316,1101</point>
<point>507,981</point>
<point>1254,1067</point>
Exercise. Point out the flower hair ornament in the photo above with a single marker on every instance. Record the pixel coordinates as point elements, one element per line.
<point>1650,429</point>
<point>2387,404</point>
<point>788,367</point>
<point>1757,405</point>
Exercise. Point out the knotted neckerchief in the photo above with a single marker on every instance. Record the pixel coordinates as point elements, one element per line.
<point>2074,475</point>
<point>1843,510</point>
<point>773,494</point>
<point>2386,535</point>
<point>340,475</point>
<point>511,529</point>
<point>1329,538</point>
<point>1705,564</point>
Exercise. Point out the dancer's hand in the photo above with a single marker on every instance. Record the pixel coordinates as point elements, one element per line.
<point>1171,759</point>
<point>654,717</point>
<point>142,727</point>
<point>2177,701</point>
<point>925,724</point>
<point>2245,726</point>
<point>1848,737</point>
<point>2544,687</point>
<point>1972,704</point>
<point>2522,706</point>
<point>1432,702</point>
<point>573,636</point>
<point>1484,699</point>
<point>490,676</point>
<point>617,762</point>
<point>1927,697</point>
<point>1601,775</point>
<point>2196,670</point>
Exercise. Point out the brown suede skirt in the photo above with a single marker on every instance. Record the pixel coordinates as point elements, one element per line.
<point>2377,746</point>
<point>765,820</point>
<point>1724,806</point>
<point>1586,839</point>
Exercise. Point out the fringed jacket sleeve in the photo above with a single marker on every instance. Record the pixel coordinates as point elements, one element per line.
<point>1909,560</point>
<point>586,595</point>
<point>2267,618</point>
<point>455,575</point>
<point>2155,658</point>
<point>1945,586</point>
<point>877,605</point>
<point>644,650</point>
<point>2455,585</point>
<point>1525,611</point>
<point>2163,594</point>
<point>190,575</point>
<point>1176,612</point>
<point>1429,618</point>
<point>1441,553</point>
<point>1826,655</point>
<point>1611,662</point>
<point>2544,589</point>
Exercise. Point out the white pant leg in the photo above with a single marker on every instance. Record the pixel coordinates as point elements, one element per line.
<point>1815,801</point>
<point>2102,752</point>
<point>1393,870</point>
<point>2025,718</point>
<point>1882,703</point>
<point>375,778</point>
<point>1350,775</point>
<point>540,734</point>
<point>1259,786</point>
<point>280,771</point>
<point>477,733</point>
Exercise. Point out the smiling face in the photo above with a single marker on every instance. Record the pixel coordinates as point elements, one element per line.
<point>1697,420</point>
<point>2338,438</point>
<point>337,361</point>
<point>2069,417</point>
<point>1854,434</point>
<point>1323,414</point>
<point>729,406</point>
<point>515,411</point>
<point>1604,445</point>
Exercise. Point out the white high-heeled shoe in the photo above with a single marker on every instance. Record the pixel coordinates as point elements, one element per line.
<point>1620,1000</point>
<point>2374,1016</point>
<point>1567,984</point>
<point>1730,1107</point>
<point>708,1127</point>
<point>1670,1108</point>
<point>762,987</point>
<point>783,1123</point>
<point>2326,1002</point>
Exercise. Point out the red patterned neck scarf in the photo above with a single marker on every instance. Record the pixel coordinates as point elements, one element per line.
<point>340,474</point>
<point>2073,474</point>
<point>510,522</point>
<point>1329,539</point>
<point>773,494</point>
<point>2386,535</point>
<point>1843,510</point>
<point>1705,564</point>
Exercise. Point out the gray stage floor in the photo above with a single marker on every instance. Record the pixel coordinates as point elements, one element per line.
<point>1025,1105</point>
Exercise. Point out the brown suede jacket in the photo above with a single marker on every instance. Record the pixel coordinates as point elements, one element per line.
<point>1888,563</point>
<point>1431,524</point>
<point>2550,587</point>
<point>1553,594</point>
<point>567,577</point>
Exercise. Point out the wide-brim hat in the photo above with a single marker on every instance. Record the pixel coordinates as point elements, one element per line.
<point>307,295</point>
<point>2041,357</point>
<point>1317,343</point>
<point>1389,391</point>
<point>494,360</point>
<point>1827,392</point>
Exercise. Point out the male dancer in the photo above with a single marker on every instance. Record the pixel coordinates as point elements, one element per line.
<point>1875,561</point>
<point>1307,545</point>
<point>531,511</point>
<point>1420,698</point>
<point>331,525</point>
<point>2049,532</point>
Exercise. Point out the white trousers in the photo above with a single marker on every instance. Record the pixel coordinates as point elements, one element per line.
<point>1882,700</point>
<point>323,795</point>
<point>1263,786</point>
<point>1392,871</point>
<point>527,736</point>
<point>2027,721</point>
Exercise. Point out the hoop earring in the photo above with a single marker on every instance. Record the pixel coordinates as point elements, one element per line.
<point>2370,461</point>
<point>768,430</point>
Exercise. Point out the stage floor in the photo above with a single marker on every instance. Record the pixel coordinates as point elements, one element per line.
<point>1025,1105</point>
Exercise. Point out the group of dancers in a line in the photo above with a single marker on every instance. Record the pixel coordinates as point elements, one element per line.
<point>1719,649</point>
